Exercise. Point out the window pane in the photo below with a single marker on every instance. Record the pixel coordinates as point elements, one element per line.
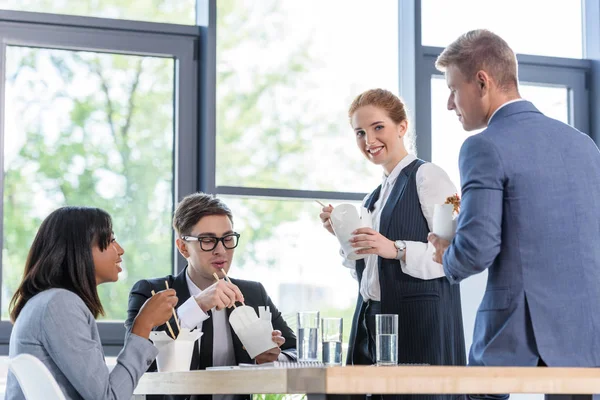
<point>96,130</point>
<point>284,246</point>
<point>529,26</point>
<point>182,12</point>
<point>447,138</point>
<point>286,76</point>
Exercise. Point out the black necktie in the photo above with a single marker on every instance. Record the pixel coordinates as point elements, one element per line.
<point>206,348</point>
<point>206,343</point>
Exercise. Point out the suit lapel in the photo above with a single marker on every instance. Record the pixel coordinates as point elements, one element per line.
<point>370,206</point>
<point>370,202</point>
<point>180,285</point>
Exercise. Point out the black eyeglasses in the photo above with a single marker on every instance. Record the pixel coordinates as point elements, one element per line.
<point>208,243</point>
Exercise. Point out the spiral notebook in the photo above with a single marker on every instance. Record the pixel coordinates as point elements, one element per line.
<point>274,364</point>
<point>296,364</point>
<point>286,364</point>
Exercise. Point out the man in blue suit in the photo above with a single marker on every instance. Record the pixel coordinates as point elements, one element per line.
<point>530,215</point>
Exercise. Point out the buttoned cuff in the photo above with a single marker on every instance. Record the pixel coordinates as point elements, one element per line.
<point>419,261</point>
<point>450,274</point>
<point>139,348</point>
<point>190,314</point>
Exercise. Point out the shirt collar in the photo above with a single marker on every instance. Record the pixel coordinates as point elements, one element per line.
<point>505,104</point>
<point>391,178</point>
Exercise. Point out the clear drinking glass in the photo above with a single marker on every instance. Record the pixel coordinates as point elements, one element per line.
<point>308,334</point>
<point>331,335</point>
<point>386,331</point>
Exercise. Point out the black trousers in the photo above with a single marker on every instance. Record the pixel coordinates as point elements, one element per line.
<point>364,354</point>
<point>365,334</point>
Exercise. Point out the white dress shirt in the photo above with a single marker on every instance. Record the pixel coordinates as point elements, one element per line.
<point>505,104</point>
<point>191,316</point>
<point>433,187</point>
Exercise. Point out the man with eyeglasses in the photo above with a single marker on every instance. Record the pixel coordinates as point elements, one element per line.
<point>204,233</point>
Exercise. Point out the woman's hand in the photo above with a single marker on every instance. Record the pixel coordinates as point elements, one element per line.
<point>375,242</point>
<point>440,247</point>
<point>157,310</point>
<point>326,218</point>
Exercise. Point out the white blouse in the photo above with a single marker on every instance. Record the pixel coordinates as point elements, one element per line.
<point>433,187</point>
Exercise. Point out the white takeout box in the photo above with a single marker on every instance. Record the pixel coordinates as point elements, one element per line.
<point>344,221</point>
<point>255,333</point>
<point>174,355</point>
<point>444,223</point>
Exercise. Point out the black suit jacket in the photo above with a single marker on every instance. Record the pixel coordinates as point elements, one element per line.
<point>254,293</point>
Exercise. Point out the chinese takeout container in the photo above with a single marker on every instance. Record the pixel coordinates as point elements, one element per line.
<point>444,223</point>
<point>254,332</point>
<point>345,220</point>
<point>174,354</point>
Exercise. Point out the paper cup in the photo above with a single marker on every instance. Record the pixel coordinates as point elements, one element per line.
<point>345,220</point>
<point>174,355</point>
<point>444,225</point>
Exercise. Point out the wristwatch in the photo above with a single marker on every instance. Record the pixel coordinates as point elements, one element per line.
<point>401,246</point>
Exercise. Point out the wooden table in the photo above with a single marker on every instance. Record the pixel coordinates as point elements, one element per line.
<point>319,382</point>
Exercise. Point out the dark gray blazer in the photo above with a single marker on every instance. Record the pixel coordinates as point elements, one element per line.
<point>254,296</point>
<point>57,327</point>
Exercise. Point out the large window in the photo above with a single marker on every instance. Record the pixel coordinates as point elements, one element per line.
<point>529,26</point>
<point>96,118</point>
<point>282,120</point>
<point>172,11</point>
<point>283,133</point>
<point>90,129</point>
<point>285,248</point>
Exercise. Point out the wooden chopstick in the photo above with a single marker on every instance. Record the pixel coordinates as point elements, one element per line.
<point>217,278</point>
<point>168,324</point>
<point>324,207</point>
<point>229,280</point>
<point>174,313</point>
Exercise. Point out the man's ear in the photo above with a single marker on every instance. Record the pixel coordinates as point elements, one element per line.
<point>182,247</point>
<point>483,81</point>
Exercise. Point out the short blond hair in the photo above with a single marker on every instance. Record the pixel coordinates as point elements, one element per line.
<point>482,50</point>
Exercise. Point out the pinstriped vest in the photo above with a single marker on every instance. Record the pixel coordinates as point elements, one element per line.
<point>429,311</point>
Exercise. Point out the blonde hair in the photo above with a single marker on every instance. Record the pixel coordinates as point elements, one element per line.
<point>390,103</point>
<point>482,50</point>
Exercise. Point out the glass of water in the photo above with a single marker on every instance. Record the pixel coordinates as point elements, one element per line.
<point>386,339</point>
<point>331,334</point>
<point>308,335</point>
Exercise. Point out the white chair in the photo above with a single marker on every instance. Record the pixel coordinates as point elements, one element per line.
<point>37,383</point>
